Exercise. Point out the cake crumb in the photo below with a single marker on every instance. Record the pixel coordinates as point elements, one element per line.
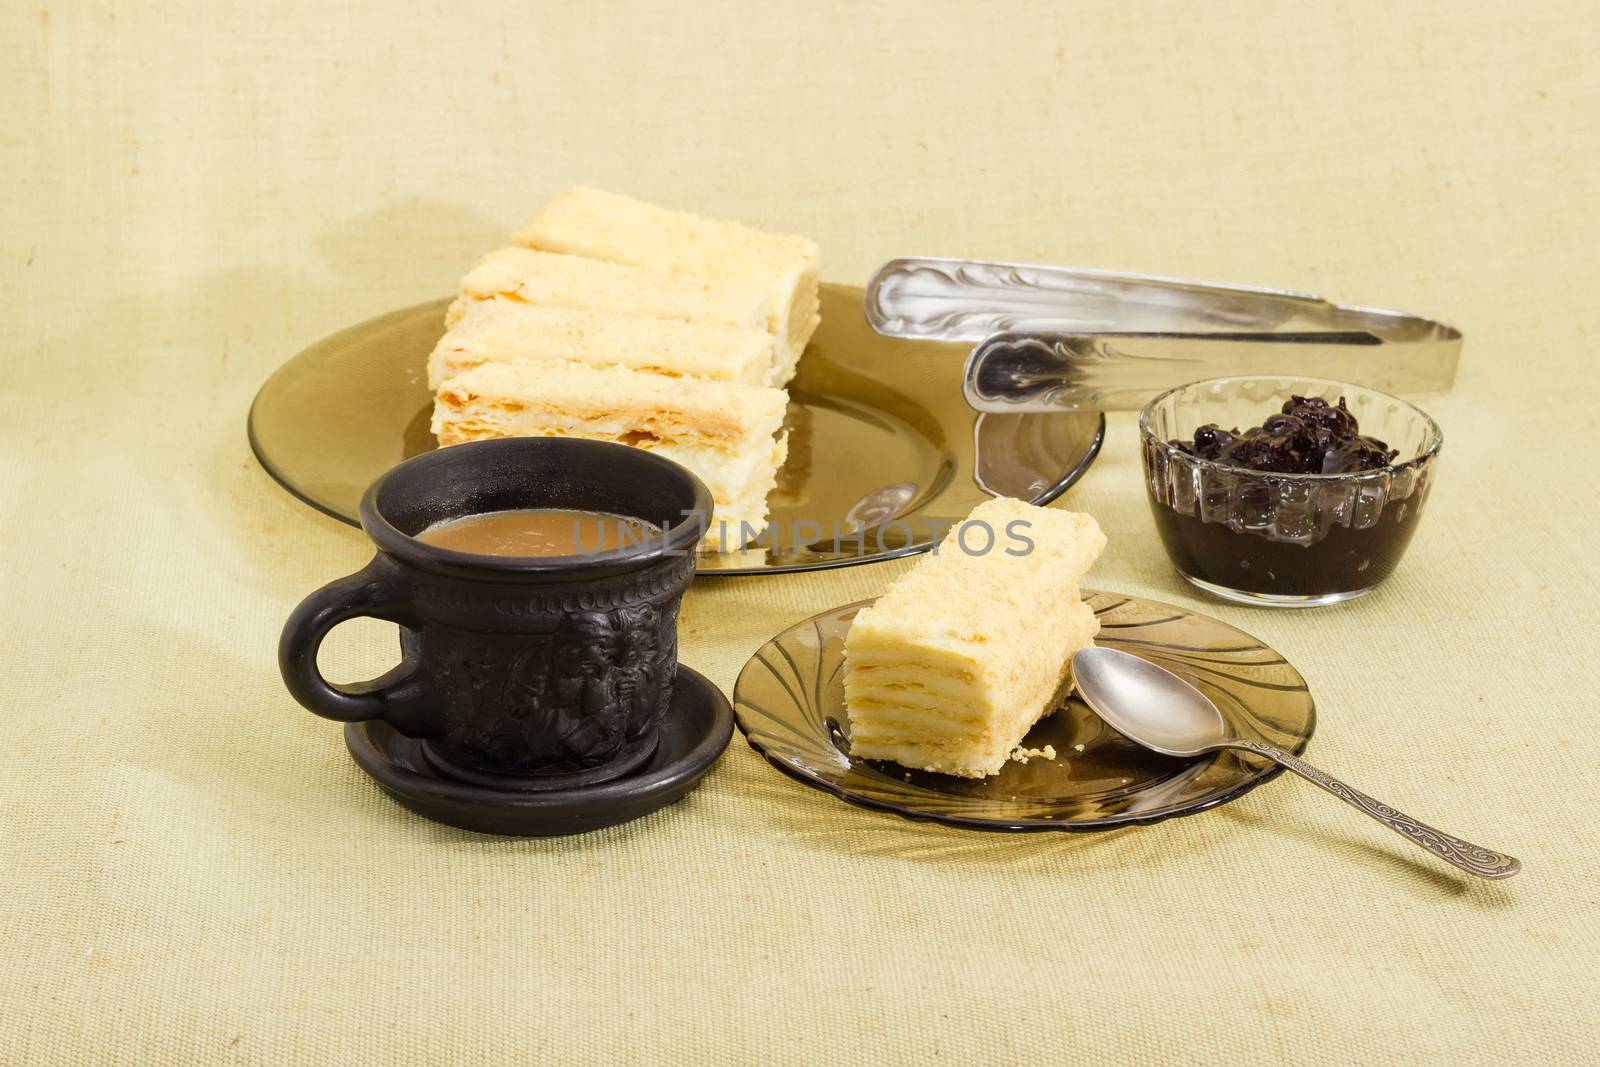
<point>1023,755</point>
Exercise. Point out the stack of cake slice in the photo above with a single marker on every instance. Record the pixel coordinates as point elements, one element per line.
<point>953,665</point>
<point>618,320</point>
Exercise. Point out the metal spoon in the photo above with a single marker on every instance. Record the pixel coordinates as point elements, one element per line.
<point>1155,708</point>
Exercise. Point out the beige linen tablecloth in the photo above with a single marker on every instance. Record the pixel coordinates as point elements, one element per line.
<point>194,871</point>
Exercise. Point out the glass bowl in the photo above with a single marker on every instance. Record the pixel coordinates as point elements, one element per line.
<point>1292,540</point>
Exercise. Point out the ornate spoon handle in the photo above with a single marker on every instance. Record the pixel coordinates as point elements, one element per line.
<point>1474,859</point>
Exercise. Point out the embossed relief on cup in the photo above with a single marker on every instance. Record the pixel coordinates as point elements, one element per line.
<point>636,678</point>
<point>588,720</point>
<point>572,697</point>
<point>666,658</point>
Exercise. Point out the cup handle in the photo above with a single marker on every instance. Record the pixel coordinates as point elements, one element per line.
<point>397,697</point>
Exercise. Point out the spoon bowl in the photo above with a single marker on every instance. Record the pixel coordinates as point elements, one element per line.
<point>1148,704</point>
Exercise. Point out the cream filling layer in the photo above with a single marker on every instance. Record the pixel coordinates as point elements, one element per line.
<point>504,332</point>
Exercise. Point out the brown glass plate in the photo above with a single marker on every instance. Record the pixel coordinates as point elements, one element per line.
<point>789,703</point>
<point>883,451</point>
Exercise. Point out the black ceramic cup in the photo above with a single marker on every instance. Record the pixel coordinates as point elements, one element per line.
<point>518,672</point>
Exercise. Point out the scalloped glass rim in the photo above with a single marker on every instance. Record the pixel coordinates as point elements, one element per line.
<point>1435,436</point>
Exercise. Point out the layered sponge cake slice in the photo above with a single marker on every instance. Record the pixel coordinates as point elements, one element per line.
<point>959,658</point>
<point>727,433</point>
<point>548,279</point>
<point>495,332</point>
<point>608,226</point>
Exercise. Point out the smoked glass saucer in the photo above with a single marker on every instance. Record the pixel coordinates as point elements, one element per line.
<point>789,703</point>
<point>884,453</point>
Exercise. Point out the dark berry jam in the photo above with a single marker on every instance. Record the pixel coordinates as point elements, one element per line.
<point>1309,436</point>
<point>1227,520</point>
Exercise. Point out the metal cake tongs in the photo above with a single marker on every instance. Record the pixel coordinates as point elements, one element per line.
<point>1054,338</point>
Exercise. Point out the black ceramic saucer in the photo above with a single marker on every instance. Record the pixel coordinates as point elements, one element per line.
<point>694,733</point>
